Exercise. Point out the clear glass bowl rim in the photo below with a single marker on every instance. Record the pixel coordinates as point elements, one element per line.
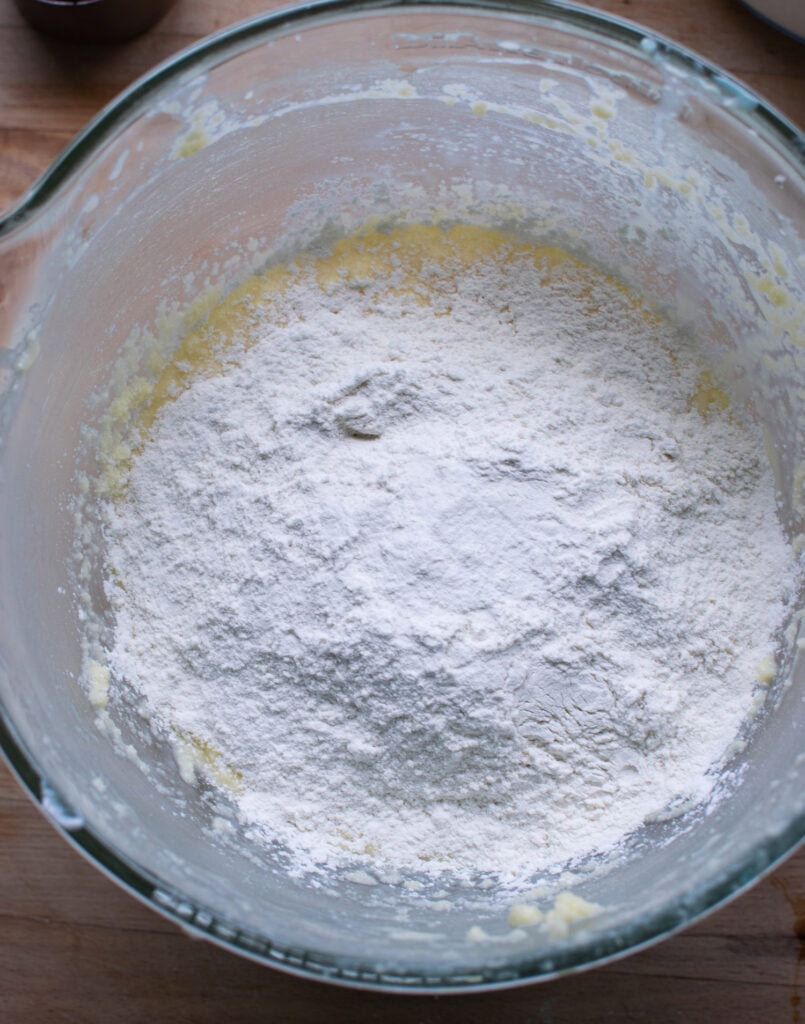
<point>775,130</point>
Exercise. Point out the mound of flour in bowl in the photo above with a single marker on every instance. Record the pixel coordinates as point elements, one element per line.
<point>457,561</point>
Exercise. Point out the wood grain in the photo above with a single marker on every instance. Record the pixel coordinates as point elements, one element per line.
<point>75,948</point>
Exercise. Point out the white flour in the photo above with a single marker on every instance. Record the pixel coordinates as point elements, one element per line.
<point>477,592</point>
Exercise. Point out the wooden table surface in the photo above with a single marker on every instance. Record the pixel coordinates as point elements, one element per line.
<point>75,948</point>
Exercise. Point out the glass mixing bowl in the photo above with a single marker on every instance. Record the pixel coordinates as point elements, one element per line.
<point>567,124</point>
